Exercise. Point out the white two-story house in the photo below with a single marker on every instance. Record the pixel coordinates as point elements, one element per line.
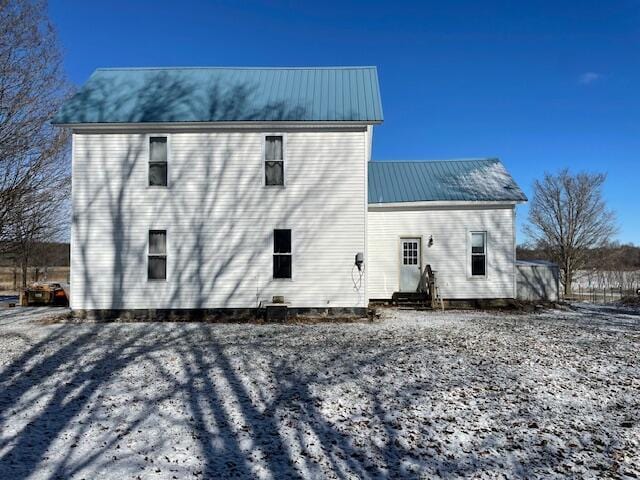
<point>202,191</point>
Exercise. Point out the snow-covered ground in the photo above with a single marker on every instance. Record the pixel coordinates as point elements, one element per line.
<point>17,315</point>
<point>483,395</point>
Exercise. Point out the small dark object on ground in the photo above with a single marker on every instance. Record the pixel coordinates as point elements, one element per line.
<point>537,306</point>
<point>630,301</point>
<point>373,315</point>
<point>9,301</point>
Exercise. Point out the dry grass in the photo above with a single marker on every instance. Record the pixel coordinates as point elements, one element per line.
<point>52,274</point>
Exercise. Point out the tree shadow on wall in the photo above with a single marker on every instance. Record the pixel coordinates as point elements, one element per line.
<point>215,217</point>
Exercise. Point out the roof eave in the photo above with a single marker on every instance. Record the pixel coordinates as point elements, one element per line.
<point>447,203</point>
<point>226,124</point>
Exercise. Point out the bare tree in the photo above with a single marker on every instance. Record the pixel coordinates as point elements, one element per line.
<point>34,160</point>
<point>569,218</point>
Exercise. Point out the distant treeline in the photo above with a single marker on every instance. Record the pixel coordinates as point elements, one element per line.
<point>42,254</point>
<point>611,258</point>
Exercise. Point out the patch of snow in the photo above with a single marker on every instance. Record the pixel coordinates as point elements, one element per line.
<point>418,394</point>
<point>487,182</point>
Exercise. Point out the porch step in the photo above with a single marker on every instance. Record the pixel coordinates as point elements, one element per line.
<point>410,296</point>
<point>412,301</point>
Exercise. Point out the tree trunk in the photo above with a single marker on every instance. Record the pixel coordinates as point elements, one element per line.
<point>568,279</point>
<point>25,269</point>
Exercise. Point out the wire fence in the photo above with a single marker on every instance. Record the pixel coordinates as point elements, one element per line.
<point>604,286</point>
<point>599,295</point>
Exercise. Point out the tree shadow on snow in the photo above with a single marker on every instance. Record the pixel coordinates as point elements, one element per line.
<point>225,401</point>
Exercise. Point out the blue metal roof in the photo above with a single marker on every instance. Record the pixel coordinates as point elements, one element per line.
<point>450,180</point>
<point>138,95</point>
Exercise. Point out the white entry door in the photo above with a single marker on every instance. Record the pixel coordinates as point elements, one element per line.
<point>410,264</point>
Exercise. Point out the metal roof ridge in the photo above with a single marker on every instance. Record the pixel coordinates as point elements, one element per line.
<point>341,67</point>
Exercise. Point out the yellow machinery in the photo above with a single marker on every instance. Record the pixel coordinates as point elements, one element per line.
<point>41,294</point>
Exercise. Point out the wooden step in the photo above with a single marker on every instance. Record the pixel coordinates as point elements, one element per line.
<point>410,297</point>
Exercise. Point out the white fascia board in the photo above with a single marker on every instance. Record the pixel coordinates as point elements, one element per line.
<point>211,125</point>
<point>444,204</point>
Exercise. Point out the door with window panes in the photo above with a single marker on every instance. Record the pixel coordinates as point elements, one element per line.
<point>410,264</point>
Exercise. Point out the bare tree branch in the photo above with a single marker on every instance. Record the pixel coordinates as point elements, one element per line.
<point>34,156</point>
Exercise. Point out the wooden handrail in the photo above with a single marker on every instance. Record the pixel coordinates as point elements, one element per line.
<point>432,287</point>
<point>423,285</point>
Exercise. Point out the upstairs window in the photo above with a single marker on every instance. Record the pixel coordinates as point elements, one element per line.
<point>157,255</point>
<point>282,254</point>
<point>274,160</point>
<point>158,161</point>
<point>478,254</point>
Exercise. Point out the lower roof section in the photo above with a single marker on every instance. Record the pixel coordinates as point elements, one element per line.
<point>477,180</point>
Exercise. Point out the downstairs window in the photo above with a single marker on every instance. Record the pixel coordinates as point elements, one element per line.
<point>157,255</point>
<point>478,254</point>
<point>282,254</point>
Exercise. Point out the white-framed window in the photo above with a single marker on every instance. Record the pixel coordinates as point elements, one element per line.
<point>478,249</point>
<point>158,154</point>
<point>274,160</point>
<point>282,257</point>
<point>157,255</point>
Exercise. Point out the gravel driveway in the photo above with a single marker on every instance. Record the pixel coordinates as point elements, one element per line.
<point>416,395</point>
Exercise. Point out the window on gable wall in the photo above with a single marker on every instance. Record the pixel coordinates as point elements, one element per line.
<point>274,160</point>
<point>478,254</point>
<point>158,161</point>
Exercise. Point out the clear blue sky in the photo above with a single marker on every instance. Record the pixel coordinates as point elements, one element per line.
<point>539,84</point>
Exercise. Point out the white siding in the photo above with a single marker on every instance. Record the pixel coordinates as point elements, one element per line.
<point>538,282</point>
<point>449,254</point>
<point>219,220</point>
